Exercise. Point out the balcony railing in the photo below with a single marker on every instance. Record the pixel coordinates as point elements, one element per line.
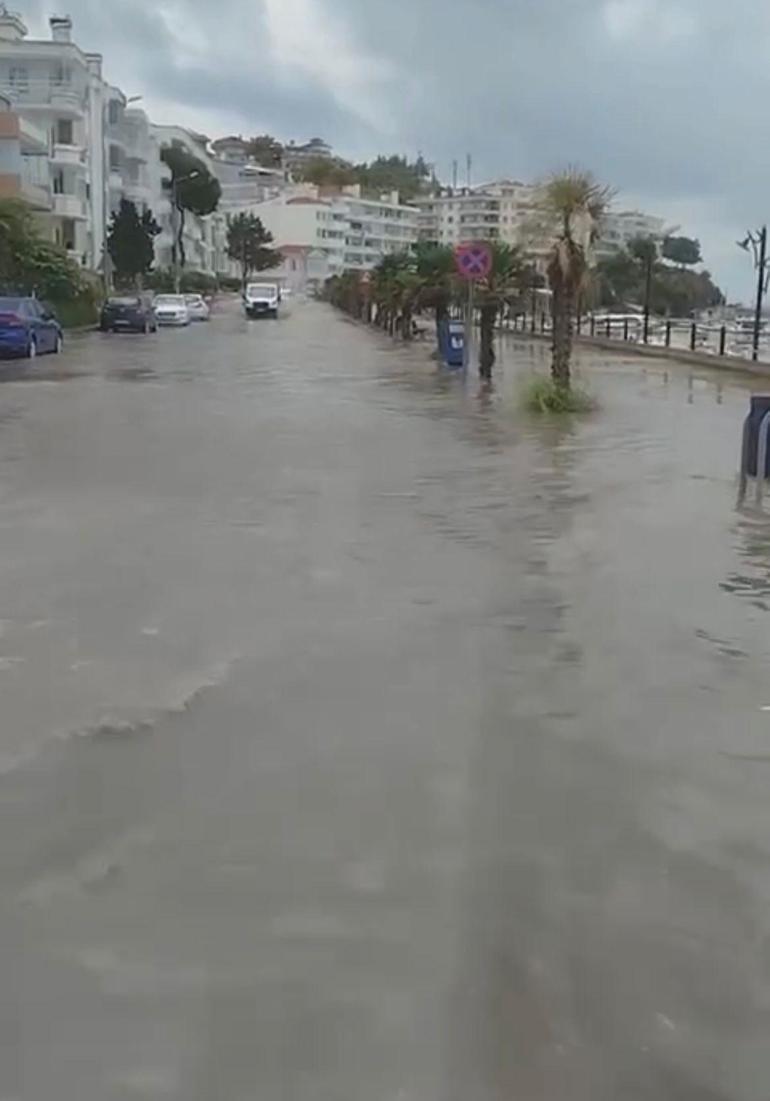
<point>71,155</point>
<point>44,93</point>
<point>69,206</point>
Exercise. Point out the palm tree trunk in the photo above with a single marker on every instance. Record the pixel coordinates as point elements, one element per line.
<point>563,306</point>
<point>487,342</point>
<point>442,313</point>
<point>406,323</point>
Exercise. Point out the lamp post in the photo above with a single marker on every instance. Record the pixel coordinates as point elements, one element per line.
<point>756,242</point>
<point>175,182</point>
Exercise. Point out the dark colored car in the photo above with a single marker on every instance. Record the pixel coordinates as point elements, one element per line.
<point>28,328</point>
<point>129,313</point>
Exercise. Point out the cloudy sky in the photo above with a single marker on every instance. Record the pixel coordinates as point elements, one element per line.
<point>667,100</point>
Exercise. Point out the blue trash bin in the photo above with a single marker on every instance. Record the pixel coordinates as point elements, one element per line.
<point>451,340</point>
<point>760,406</point>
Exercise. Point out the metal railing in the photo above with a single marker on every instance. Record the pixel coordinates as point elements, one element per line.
<point>683,334</point>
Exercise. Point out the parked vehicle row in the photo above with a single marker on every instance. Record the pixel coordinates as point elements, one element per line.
<point>142,314</point>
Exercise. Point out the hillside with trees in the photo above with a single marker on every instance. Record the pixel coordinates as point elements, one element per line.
<point>676,290</point>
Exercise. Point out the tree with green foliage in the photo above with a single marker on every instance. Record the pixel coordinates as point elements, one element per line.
<point>435,266</point>
<point>28,263</point>
<point>673,291</point>
<point>575,203</point>
<point>266,150</point>
<point>131,242</point>
<point>193,188</point>
<point>393,174</point>
<point>504,281</point>
<point>326,172</point>
<point>248,244</point>
<point>395,288</point>
<point>682,251</point>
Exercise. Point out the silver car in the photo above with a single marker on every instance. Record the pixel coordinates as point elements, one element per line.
<point>196,307</point>
<point>171,309</point>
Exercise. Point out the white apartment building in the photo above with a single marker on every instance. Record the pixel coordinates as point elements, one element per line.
<point>325,233</point>
<point>58,88</point>
<point>507,210</point>
<point>494,211</point>
<point>619,227</point>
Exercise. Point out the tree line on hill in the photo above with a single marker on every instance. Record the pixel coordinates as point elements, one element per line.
<point>384,173</point>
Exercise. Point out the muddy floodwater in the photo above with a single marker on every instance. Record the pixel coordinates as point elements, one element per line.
<point>364,738</point>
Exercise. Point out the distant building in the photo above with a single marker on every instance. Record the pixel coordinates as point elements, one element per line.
<point>232,148</point>
<point>620,227</point>
<point>324,232</point>
<point>296,156</point>
<point>507,210</point>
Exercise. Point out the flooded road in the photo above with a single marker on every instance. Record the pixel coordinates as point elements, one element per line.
<point>364,739</point>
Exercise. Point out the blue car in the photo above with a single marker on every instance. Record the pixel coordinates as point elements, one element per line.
<point>28,328</point>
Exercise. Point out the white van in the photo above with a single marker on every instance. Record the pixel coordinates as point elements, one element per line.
<point>262,299</point>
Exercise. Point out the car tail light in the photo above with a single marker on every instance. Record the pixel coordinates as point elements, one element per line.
<point>11,321</point>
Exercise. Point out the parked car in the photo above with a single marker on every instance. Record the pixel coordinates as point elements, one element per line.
<point>28,327</point>
<point>171,309</point>
<point>262,299</point>
<point>128,312</point>
<point>196,307</point>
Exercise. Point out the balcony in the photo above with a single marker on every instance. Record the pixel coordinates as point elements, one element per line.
<point>32,139</point>
<point>70,156</point>
<point>69,206</point>
<point>115,179</point>
<point>13,186</point>
<point>32,95</point>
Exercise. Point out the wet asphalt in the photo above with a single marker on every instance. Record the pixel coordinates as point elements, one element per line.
<point>363,738</point>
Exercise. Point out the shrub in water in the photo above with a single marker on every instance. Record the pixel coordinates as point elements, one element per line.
<point>543,395</point>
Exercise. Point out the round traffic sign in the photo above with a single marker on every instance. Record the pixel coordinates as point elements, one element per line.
<point>474,260</point>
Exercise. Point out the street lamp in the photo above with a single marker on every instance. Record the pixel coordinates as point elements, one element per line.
<point>756,244</point>
<point>175,182</point>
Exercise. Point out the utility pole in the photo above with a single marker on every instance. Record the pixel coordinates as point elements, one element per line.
<point>761,285</point>
<point>468,166</point>
<point>757,242</point>
<point>647,295</point>
<point>454,176</point>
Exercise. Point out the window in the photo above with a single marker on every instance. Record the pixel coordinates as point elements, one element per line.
<point>19,77</point>
<point>64,132</point>
<point>113,112</point>
<point>60,74</point>
<point>68,233</point>
<point>58,182</point>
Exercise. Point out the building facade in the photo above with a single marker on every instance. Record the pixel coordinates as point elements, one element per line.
<point>55,86</point>
<point>336,231</point>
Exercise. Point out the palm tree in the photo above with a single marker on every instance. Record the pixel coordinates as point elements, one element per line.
<point>394,287</point>
<point>435,267</point>
<point>575,203</point>
<point>504,280</point>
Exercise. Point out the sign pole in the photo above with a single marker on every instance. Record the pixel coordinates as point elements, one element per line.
<point>469,327</point>
<point>473,261</point>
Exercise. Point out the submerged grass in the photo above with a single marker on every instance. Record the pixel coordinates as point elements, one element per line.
<point>543,395</point>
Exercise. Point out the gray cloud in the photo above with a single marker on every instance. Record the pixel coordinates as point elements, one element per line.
<point>665,99</point>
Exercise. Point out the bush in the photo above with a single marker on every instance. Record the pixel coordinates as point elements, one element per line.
<point>190,282</point>
<point>543,395</point>
<point>76,313</point>
<point>229,282</point>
